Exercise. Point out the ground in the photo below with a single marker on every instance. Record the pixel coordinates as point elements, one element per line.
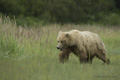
<point>30,54</point>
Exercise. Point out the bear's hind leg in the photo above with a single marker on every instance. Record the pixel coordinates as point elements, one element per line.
<point>103,58</point>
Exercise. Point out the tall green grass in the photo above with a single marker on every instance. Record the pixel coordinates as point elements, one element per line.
<point>30,53</point>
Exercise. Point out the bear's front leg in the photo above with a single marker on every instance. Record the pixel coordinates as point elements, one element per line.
<point>64,55</point>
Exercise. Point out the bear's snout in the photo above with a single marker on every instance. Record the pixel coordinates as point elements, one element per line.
<point>61,49</point>
<point>57,47</point>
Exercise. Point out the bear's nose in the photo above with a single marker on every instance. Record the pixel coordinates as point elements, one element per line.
<point>57,47</point>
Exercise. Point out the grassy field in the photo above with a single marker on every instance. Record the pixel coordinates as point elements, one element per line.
<point>30,53</point>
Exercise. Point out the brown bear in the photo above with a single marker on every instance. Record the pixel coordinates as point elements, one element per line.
<point>84,44</point>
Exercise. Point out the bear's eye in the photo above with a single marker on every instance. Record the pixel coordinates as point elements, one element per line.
<point>62,41</point>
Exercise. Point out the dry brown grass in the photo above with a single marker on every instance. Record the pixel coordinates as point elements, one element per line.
<point>29,53</point>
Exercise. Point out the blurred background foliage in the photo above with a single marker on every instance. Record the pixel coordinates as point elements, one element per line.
<point>36,12</point>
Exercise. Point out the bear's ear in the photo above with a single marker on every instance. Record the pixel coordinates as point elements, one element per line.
<point>67,35</point>
<point>60,31</point>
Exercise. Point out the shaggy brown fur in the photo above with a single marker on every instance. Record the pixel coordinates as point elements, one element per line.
<point>86,45</point>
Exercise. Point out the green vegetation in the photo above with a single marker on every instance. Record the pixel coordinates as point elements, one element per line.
<point>40,12</point>
<point>31,54</point>
<point>28,38</point>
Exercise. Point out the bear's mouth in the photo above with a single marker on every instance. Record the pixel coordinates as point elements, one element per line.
<point>61,49</point>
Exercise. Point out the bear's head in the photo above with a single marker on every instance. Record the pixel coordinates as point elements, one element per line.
<point>63,40</point>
